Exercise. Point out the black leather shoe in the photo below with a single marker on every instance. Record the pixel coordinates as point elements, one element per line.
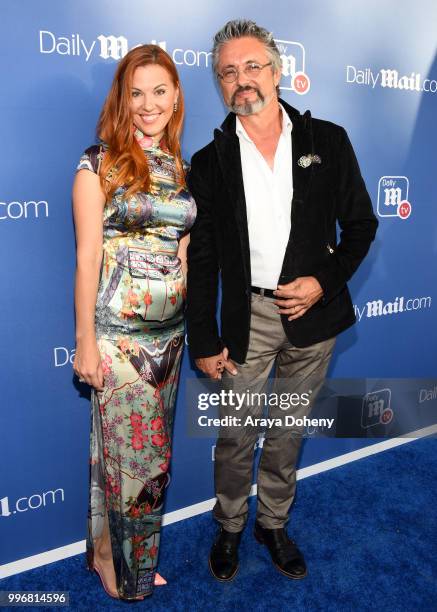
<point>286,556</point>
<point>223,558</point>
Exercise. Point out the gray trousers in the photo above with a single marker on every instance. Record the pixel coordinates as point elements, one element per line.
<point>234,455</point>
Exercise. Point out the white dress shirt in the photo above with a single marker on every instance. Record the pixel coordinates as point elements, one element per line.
<point>268,196</point>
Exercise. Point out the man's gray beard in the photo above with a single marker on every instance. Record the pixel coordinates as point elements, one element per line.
<point>248,108</point>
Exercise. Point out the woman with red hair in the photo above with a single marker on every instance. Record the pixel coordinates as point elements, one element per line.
<point>132,214</point>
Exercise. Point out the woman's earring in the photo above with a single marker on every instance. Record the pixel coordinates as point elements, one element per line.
<point>175,107</point>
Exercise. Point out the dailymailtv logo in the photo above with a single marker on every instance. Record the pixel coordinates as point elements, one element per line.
<point>294,77</point>
<point>376,408</point>
<point>393,197</point>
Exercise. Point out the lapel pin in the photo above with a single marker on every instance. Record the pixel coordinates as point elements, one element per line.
<point>304,161</point>
<point>307,160</point>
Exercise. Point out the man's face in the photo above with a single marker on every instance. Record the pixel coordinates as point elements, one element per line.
<point>247,95</point>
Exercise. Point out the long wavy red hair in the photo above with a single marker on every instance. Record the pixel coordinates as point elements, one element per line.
<point>124,163</point>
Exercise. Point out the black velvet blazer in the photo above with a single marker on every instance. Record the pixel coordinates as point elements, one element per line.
<point>324,194</point>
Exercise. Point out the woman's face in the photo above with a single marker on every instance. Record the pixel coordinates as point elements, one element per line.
<point>153,97</point>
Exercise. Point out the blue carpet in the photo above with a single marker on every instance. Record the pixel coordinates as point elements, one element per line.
<point>368,531</point>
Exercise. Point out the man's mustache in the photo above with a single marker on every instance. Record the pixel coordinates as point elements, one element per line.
<point>242,88</point>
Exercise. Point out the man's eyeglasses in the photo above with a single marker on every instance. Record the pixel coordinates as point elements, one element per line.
<point>251,70</point>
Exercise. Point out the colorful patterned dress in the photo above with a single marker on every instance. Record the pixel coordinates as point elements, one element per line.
<point>140,334</point>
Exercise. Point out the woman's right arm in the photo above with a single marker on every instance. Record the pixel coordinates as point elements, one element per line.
<point>88,205</point>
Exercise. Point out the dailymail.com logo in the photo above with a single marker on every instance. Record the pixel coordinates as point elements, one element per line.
<point>376,409</point>
<point>294,77</point>
<point>393,197</point>
<point>34,502</point>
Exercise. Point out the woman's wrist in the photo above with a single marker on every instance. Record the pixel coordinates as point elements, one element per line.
<point>86,338</point>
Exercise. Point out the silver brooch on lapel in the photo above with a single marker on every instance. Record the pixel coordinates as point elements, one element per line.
<point>307,160</point>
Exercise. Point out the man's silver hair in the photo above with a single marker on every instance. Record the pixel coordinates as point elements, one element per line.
<point>238,28</point>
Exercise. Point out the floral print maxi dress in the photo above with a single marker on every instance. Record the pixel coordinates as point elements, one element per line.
<point>140,334</point>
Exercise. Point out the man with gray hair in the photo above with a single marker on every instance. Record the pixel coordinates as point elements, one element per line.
<point>269,189</point>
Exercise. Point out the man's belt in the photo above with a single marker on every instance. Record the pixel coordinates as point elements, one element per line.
<point>263,292</point>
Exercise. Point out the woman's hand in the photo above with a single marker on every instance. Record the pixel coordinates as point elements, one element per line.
<point>182,254</point>
<point>87,364</point>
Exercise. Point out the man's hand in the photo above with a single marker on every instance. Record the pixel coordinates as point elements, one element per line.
<point>214,366</point>
<point>297,297</point>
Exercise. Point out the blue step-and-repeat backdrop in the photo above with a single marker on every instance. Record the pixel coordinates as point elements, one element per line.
<point>367,65</point>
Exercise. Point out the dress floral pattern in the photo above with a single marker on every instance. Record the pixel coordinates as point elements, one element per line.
<point>140,334</point>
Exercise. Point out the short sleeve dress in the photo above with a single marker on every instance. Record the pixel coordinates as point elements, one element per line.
<point>140,333</point>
